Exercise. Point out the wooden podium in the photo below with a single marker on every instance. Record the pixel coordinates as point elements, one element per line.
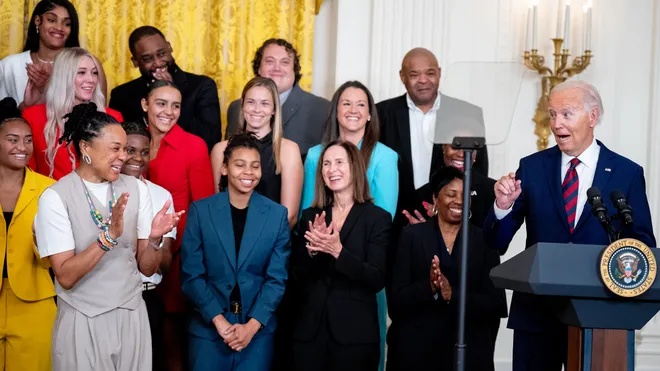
<point>601,334</point>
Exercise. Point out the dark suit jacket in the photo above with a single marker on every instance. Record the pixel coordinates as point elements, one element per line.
<point>200,108</point>
<point>303,118</point>
<point>210,267</point>
<point>541,207</point>
<point>423,330</point>
<point>341,294</point>
<point>395,133</point>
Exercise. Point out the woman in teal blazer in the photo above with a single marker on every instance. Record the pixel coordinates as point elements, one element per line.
<point>353,118</point>
<point>234,262</point>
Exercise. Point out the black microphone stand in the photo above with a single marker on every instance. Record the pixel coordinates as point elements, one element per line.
<point>468,145</point>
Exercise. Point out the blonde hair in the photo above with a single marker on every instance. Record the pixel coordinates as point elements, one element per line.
<point>60,96</point>
<point>275,121</point>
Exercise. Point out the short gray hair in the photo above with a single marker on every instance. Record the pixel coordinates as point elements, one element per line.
<point>591,96</point>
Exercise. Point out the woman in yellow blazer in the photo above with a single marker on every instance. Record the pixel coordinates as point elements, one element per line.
<point>27,308</point>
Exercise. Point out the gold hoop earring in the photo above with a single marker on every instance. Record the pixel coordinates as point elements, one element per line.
<point>434,211</point>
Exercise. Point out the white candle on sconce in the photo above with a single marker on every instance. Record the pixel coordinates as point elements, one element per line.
<point>567,25</point>
<point>558,20</point>
<point>529,30</point>
<point>534,26</point>
<point>587,45</point>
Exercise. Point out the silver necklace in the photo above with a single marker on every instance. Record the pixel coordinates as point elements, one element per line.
<point>41,60</point>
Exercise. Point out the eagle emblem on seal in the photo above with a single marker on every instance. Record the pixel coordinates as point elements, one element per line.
<point>627,267</point>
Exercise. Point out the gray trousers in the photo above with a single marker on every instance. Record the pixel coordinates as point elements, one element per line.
<point>118,340</point>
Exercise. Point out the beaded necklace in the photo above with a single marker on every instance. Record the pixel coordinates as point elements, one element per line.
<point>96,215</point>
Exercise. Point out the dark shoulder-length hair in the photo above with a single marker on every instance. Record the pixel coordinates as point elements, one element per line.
<point>323,196</point>
<point>32,39</point>
<point>444,176</point>
<point>371,130</point>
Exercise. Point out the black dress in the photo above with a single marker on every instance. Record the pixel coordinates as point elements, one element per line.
<point>271,183</point>
<point>423,331</point>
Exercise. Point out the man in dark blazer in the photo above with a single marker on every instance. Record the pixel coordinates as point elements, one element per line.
<point>421,76</point>
<point>152,54</point>
<point>303,113</point>
<point>549,194</point>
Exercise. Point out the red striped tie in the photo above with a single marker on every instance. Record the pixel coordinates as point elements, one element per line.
<point>570,188</point>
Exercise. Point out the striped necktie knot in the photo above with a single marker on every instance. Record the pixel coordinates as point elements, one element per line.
<point>570,188</point>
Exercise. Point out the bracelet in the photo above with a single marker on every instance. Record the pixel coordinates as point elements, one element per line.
<point>159,246</point>
<point>109,239</point>
<point>101,245</point>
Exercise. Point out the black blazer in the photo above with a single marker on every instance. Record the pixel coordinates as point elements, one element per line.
<point>423,330</point>
<point>395,133</point>
<point>341,293</point>
<point>481,200</point>
<point>200,108</point>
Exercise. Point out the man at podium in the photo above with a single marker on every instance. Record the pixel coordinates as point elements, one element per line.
<point>549,194</point>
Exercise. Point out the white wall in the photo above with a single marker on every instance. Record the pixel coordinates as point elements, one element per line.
<point>366,40</point>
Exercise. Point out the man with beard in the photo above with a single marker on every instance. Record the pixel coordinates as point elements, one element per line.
<point>152,54</point>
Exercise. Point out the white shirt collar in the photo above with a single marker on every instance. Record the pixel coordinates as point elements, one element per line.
<point>412,106</point>
<point>284,96</point>
<point>589,157</point>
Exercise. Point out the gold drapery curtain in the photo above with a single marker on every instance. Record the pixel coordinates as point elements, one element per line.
<point>216,38</point>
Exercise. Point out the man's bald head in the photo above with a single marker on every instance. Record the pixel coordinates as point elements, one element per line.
<point>420,74</point>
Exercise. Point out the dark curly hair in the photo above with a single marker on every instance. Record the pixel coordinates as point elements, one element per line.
<point>9,111</point>
<point>242,139</point>
<point>136,128</point>
<point>84,123</point>
<point>259,55</point>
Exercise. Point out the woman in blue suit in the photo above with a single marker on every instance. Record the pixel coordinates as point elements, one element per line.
<point>234,261</point>
<point>353,118</point>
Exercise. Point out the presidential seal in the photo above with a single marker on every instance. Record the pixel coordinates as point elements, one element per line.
<point>628,267</point>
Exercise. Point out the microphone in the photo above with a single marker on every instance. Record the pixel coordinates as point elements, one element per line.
<point>624,211</point>
<point>598,208</point>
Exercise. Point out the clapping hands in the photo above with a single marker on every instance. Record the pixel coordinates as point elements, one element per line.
<point>163,223</point>
<point>322,238</point>
<point>438,281</point>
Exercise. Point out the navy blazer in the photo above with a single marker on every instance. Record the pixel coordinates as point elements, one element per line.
<point>541,207</point>
<point>210,268</point>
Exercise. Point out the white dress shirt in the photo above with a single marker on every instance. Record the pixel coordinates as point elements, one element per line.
<point>422,132</point>
<point>159,196</point>
<point>13,76</point>
<point>586,171</point>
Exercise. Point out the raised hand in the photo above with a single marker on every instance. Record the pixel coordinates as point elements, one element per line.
<point>507,190</point>
<point>39,74</point>
<point>435,274</point>
<point>117,222</point>
<point>162,74</point>
<point>418,218</point>
<point>327,242</point>
<point>319,223</point>
<point>32,96</point>
<point>163,223</point>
